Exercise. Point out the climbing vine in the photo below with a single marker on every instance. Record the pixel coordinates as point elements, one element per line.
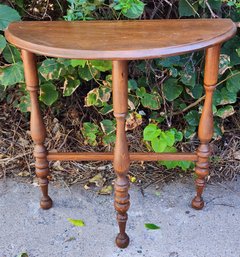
<point>160,90</point>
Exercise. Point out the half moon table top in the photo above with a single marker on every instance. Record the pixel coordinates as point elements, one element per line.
<point>118,40</point>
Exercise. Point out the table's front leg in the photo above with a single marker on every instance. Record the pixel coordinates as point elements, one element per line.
<point>205,130</point>
<point>121,156</point>
<point>38,131</point>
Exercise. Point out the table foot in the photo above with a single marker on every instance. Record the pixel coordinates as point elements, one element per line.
<point>197,203</point>
<point>122,240</point>
<point>46,203</point>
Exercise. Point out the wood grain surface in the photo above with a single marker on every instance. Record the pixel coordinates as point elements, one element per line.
<point>118,40</point>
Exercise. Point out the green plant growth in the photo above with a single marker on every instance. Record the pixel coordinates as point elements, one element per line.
<point>163,142</point>
<point>160,90</point>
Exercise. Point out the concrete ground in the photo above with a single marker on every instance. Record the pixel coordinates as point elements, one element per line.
<point>184,232</point>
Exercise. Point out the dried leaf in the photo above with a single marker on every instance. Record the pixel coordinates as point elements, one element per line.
<point>86,187</point>
<point>23,174</point>
<point>57,166</point>
<point>70,239</point>
<point>98,180</point>
<point>132,179</point>
<point>134,120</point>
<point>106,190</point>
<point>237,155</point>
<point>23,142</point>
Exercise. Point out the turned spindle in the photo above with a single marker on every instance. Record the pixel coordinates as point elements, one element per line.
<point>38,131</point>
<point>121,158</point>
<point>205,130</point>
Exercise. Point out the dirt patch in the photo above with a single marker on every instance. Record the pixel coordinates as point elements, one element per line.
<point>64,134</point>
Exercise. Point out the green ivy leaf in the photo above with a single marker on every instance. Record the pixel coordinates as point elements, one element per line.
<point>7,15</point>
<point>225,111</point>
<point>107,108</point>
<point>132,84</point>
<point>187,9</point>
<point>229,48</point>
<point>131,9</point>
<point>87,72</point>
<point>189,131</point>
<point>77,223</point>
<point>135,11</point>
<point>98,97</point>
<point>184,165</point>
<point>76,63</point>
<point>50,69</point>
<point>151,132</point>
<point>155,117</point>
<point>192,118</point>
<point>178,134</point>
<point>11,54</point>
<point>107,126</point>
<point>233,83</point>
<point>159,144</point>
<point>169,61</point>
<point>227,97</point>
<point>151,101</point>
<point>151,226</point>
<point>12,74</point>
<point>217,97</point>
<point>171,89</point>
<point>170,164</point>
<point>109,139</point>
<point>215,4</point>
<point>168,137</point>
<point>90,132</point>
<point>3,43</point>
<point>48,93</point>
<point>188,78</point>
<point>218,132</point>
<point>102,65</point>
<point>197,91</point>
<point>70,85</point>
<point>25,102</point>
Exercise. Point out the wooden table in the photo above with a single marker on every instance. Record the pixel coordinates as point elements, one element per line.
<point>120,41</point>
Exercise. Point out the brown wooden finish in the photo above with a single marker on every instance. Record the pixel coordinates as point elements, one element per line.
<point>121,158</point>
<point>96,156</point>
<point>205,130</point>
<point>118,40</point>
<point>38,131</point>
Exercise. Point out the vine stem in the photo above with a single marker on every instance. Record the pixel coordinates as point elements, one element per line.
<point>203,97</point>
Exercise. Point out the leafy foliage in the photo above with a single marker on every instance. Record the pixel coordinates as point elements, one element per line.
<point>163,141</point>
<point>159,90</point>
<point>132,9</point>
<point>7,15</point>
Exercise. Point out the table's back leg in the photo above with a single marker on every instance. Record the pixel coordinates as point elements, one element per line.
<point>205,130</point>
<point>121,156</point>
<point>38,131</point>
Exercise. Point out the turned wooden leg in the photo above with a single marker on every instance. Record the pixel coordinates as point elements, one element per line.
<point>38,131</point>
<point>205,130</point>
<point>121,159</point>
